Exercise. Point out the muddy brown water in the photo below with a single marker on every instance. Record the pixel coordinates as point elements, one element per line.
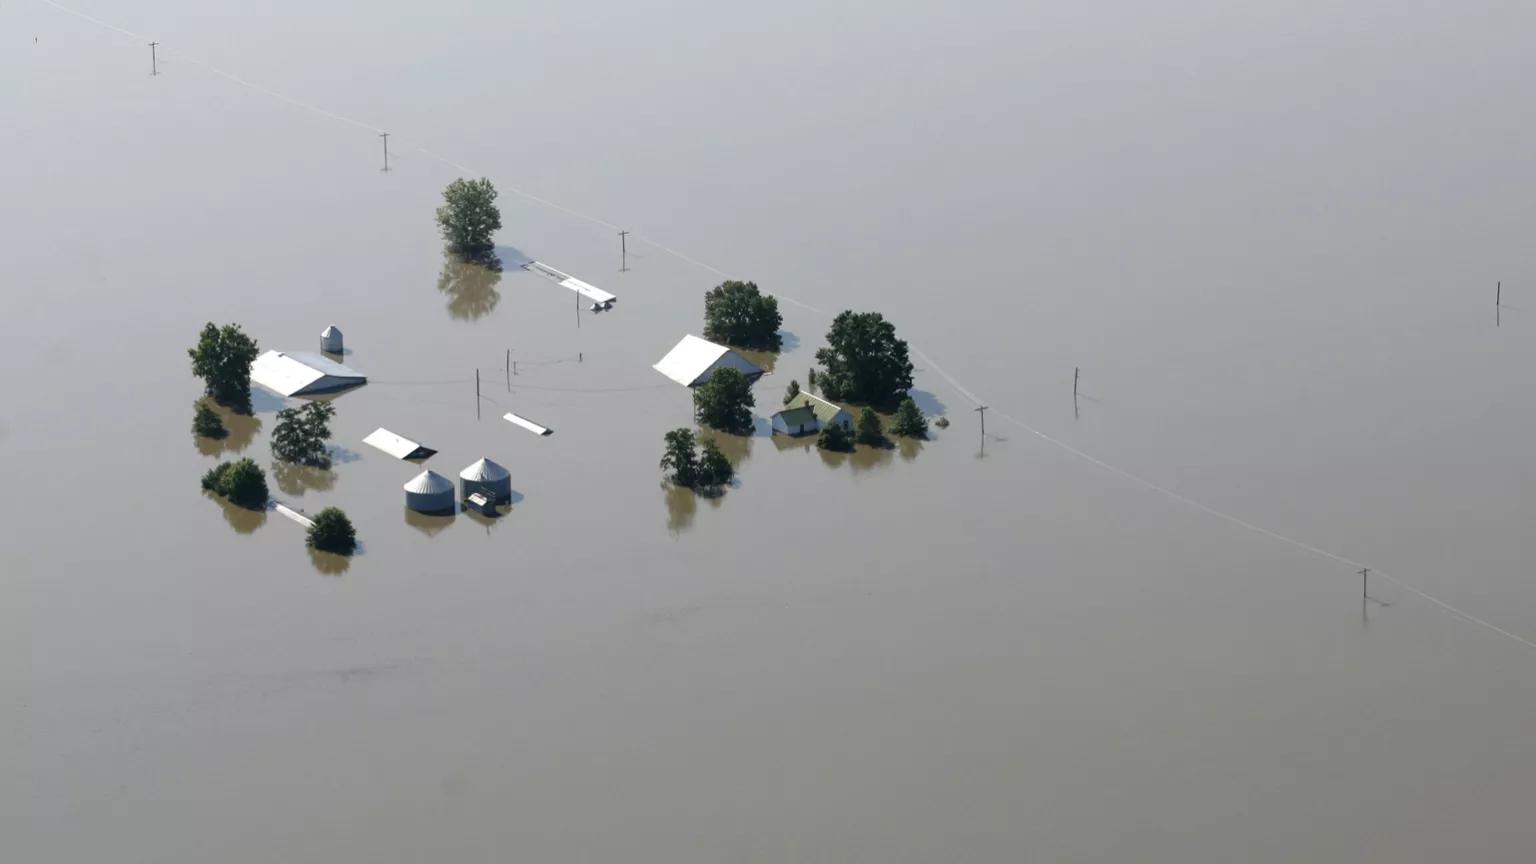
<point>1268,235</point>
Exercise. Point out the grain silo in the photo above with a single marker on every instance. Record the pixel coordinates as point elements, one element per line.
<point>429,492</point>
<point>487,477</point>
<point>330,340</point>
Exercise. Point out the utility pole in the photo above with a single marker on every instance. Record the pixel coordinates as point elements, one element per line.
<point>385,136</point>
<point>477,392</point>
<point>154,65</point>
<point>1498,304</point>
<point>982,410</point>
<point>1075,371</point>
<point>509,370</point>
<point>623,251</point>
<point>1365,573</point>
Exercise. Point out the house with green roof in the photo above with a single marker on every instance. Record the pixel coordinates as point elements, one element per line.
<point>807,413</point>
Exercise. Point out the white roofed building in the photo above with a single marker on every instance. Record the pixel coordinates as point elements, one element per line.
<point>692,361</point>
<point>302,373</point>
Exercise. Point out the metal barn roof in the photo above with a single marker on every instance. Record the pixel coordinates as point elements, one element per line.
<point>566,280</point>
<point>485,471</point>
<point>693,360</point>
<point>825,411</point>
<point>298,373</point>
<point>429,482</point>
<point>397,446</point>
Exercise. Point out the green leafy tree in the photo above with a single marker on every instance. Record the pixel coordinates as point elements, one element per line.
<point>791,391</point>
<point>863,360</point>
<point>870,432</point>
<point>301,433</point>
<point>680,458</point>
<point>223,359</point>
<point>468,217</point>
<point>206,422</point>
<point>737,313</point>
<point>241,481</point>
<point>332,532</point>
<point>725,402</point>
<point>834,437</point>
<point>909,421</point>
<point>714,469</point>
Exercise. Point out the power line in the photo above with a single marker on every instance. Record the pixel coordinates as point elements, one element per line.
<point>961,389</point>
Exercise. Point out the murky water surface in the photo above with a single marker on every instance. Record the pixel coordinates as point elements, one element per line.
<point>1267,234</point>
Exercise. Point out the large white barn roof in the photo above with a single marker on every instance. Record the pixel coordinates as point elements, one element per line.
<point>297,373</point>
<point>693,360</point>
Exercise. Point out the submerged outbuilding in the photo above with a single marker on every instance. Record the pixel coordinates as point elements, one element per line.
<point>807,414</point>
<point>429,492</point>
<point>692,361</point>
<point>301,374</point>
<point>330,340</point>
<point>488,478</point>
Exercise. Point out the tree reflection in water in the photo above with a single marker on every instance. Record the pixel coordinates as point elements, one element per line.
<point>470,284</point>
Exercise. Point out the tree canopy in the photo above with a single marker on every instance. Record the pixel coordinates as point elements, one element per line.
<point>680,459</point>
<point>863,360</point>
<point>301,433</point>
<point>468,217</point>
<point>870,431</point>
<point>834,437</point>
<point>909,421</point>
<point>725,401</point>
<point>332,532</point>
<point>206,422</point>
<point>241,481</point>
<point>791,391</point>
<point>223,358</point>
<point>714,468</point>
<point>737,313</point>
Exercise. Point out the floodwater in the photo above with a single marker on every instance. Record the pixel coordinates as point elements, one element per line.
<point>1268,235</point>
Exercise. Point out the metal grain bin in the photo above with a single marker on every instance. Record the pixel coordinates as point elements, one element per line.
<point>330,340</point>
<point>488,477</point>
<point>429,492</point>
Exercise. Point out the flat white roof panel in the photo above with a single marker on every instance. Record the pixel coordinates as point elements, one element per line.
<point>397,446</point>
<point>566,280</point>
<point>526,424</point>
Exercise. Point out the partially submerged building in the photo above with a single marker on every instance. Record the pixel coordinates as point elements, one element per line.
<point>397,446</point>
<point>692,361</point>
<point>487,478</point>
<point>330,340</point>
<point>303,374</point>
<point>807,414</point>
<point>429,492</point>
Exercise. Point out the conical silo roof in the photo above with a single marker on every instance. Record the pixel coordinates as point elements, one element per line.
<point>485,471</point>
<point>429,482</point>
<point>329,332</point>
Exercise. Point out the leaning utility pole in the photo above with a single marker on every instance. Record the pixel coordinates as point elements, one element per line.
<point>385,136</point>
<point>982,410</point>
<point>1365,573</point>
<point>154,66</point>
<point>623,251</point>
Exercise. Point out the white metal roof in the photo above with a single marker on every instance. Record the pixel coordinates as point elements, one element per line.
<point>397,446</point>
<point>330,331</point>
<point>296,373</point>
<point>568,281</point>
<point>526,424</point>
<point>429,482</point>
<point>693,360</point>
<point>485,471</point>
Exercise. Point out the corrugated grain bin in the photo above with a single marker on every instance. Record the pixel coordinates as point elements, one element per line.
<point>429,492</point>
<point>330,340</point>
<point>488,477</point>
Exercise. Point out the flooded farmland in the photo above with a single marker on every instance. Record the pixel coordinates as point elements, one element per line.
<point>1267,235</point>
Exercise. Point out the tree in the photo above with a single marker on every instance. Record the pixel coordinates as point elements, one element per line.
<point>223,359</point>
<point>791,391</point>
<point>714,469</point>
<point>332,532</point>
<point>834,437</point>
<point>468,217</point>
<point>736,313</point>
<point>909,421</point>
<point>206,422</point>
<point>870,431</point>
<point>725,402</point>
<point>680,459</point>
<point>301,433</point>
<point>242,482</point>
<point>864,360</point>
